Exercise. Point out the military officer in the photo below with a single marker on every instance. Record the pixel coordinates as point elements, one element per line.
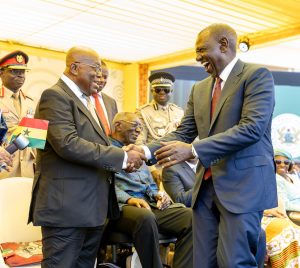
<point>159,117</point>
<point>15,105</point>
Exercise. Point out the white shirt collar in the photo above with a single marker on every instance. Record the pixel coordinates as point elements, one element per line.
<point>192,166</point>
<point>75,89</point>
<point>227,70</point>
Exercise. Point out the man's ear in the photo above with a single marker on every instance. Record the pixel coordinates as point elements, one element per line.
<point>74,68</point>
<point>117,126</point>
<point>223,44</point>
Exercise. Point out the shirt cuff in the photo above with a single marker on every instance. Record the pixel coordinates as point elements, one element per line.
<point>124,165</point>
<point>147,152</point>
<point>194,152</point>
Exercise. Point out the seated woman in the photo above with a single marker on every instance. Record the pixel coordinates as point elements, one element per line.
<point>288,186</point>
<point>283,236</point>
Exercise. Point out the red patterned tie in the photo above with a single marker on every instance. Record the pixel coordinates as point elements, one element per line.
<point>101,114</point>
<point>214,101</point>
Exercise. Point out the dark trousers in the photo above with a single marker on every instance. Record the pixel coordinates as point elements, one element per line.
<point>221,238</point>
<point>70,247</point>
<point>144,225</point>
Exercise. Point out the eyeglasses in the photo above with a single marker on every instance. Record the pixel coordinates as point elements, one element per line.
<point>135,125</point>
<point>97,68</point>
<point>157,90</point>
<point>286,162</point>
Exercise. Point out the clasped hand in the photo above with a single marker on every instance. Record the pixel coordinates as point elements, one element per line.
<point>136,156</point>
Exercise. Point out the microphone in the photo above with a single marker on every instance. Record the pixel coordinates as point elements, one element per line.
<point>19,143</point>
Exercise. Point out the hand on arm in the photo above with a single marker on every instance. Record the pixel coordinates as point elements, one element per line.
<point>173,152</point>
<point>137,202</point>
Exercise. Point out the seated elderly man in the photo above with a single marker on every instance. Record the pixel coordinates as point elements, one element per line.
<point>145,211</point>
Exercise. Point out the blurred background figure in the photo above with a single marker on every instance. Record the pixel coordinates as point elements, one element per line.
<point>159,117</point>
<point>288,185</point>
<point>105,105</point>
<point>296,167</point>
<point>178,181</point>
<point>15,105</point>
<point>282,235</point>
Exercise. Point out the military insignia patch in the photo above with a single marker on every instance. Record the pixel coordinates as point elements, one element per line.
<point>19,58</point>
<point>286,133</point>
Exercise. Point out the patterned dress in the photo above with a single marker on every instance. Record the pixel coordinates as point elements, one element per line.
<point>283,242</point>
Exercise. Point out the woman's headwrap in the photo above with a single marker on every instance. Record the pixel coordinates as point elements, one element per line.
<point>284,153</point>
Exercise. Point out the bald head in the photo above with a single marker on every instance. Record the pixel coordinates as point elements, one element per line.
<point>126,127</point>
<point>83,67</point>
<point>124,116</point>
<point>221,30</point>
<point>80,54</point>
<point>216,47</point>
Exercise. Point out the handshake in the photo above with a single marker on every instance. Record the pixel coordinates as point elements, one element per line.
<point>136,157</point>
<point>170,153</point>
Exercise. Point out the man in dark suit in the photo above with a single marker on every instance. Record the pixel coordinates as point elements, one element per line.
<point>109,105</point>
<point>73,189</point>
<point>179,180</point>
<point>231,112</point>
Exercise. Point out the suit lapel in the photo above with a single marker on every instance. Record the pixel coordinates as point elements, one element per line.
<point>84,110</point>
<point>228,89</point>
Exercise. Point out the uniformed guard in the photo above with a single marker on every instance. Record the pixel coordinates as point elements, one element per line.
<point>15,105</point>
<point>159,117</point>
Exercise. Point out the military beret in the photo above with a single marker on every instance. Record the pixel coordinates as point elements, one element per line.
<point>15,60</point>
<point>161,79</point>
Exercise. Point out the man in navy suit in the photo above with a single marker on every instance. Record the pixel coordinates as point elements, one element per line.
<point>231,112</point>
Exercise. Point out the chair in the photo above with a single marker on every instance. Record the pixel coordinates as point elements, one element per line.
<point>115,239</point>
<point>15,195</point>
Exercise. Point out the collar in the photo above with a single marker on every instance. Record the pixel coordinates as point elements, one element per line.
<point>115,142</point>
<point>159,107</point>
<point>9,93</point>
<point>227,70</point>
<point>76,90</point>
<point>99,94</point>
<point>192,166</point>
